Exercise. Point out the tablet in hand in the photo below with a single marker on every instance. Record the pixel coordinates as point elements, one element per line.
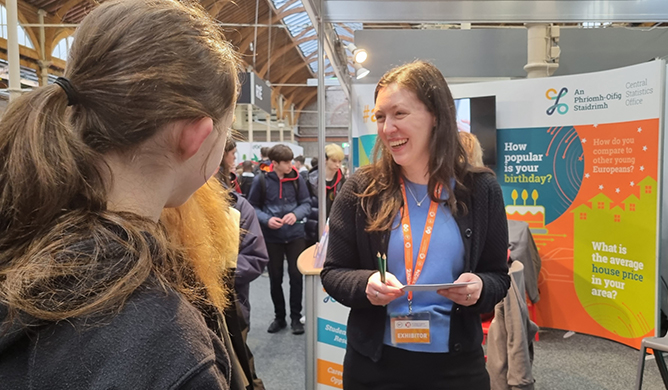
<point>434,287</point>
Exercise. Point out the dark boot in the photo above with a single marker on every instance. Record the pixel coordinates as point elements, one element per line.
<point>297,327</point>
<point>277,325</point>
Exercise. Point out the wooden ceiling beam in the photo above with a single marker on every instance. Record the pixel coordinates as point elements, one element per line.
<point>245,44</point>
<point>61,11</point>
<point>307,99</point>
<point>284,49</point>
<point>285,6</point>
<point>290,91</point>
<point>24,7</point>
<point>294,69</point>
<point>282,14</point>
<point>25,16</point>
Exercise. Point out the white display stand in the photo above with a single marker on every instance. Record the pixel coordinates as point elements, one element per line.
<point>325,327</point>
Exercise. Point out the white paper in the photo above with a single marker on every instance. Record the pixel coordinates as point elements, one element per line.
<point>434,287</point>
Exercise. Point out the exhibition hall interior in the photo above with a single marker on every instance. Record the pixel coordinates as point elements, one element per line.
<point>565,100</point>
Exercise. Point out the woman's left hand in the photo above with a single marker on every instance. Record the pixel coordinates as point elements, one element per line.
<point>465,295</point>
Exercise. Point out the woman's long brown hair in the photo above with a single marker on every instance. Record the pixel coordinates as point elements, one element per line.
<point>382,198</point>
<point>136,66</point>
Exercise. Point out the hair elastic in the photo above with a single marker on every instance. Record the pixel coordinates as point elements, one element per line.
<point>71,93</point>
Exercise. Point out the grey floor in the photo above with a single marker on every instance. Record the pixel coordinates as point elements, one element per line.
<point>579,362</point>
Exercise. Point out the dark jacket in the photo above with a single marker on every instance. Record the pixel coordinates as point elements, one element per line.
<point>253,257</point>
<point>510,338</point>
<point>265,165</point>
<point>333,188</point>
<point>245,183</point>
<point>352,252</point>
<point>280,198</point>
<point>234,181</point>
<point>157,341</point>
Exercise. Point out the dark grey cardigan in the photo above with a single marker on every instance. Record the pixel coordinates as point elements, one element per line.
<point>352,252</point>
<point>156,340</point>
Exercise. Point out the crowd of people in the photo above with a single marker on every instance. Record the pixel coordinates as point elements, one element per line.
<point>129,233</point>
<point>283,191</point>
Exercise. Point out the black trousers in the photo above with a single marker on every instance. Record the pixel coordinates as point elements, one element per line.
<point>399,369</point>
<point>277,252</point>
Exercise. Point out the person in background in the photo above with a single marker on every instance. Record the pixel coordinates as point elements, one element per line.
<point>436,219</point>
<point>334,180</point>
<point>253,257</point>
<point>93,295</point>
<point>311,227</point>
<point>250,264</point>
<point>472,148</point>
<point>345,171</point>
<point>199,226</point>
<point>314,164</point>
<point>299,165</point>
<point>246,179</point>
<point>265,162</point>
<point>227,165</point>
<point>281,200</point>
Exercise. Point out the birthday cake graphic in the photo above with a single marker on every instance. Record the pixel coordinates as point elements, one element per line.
<point>533,215</point>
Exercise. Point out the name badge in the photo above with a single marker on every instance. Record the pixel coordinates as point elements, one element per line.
<point>413,328</point>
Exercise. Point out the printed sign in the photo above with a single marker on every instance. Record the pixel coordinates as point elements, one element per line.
<point>578,161</point>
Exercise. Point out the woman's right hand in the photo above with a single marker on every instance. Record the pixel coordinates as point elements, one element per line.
<point>379,293</point>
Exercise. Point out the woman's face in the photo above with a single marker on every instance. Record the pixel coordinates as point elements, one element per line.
<point>404,126</point>
<point>230,159</point>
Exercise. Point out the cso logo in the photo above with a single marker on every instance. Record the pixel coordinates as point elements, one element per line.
<point>551,94</point>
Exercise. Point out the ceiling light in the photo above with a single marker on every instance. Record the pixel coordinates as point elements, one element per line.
<point>360,71</point>
<point>359,55</point>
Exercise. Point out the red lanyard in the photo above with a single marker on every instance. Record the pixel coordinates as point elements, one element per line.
<point>412,277</point>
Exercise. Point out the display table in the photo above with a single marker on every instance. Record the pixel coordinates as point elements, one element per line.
<point>325,329</point>
<point>306,260</point>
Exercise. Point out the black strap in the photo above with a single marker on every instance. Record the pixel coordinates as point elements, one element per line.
<point>263,187</point>
<point>66,85</point>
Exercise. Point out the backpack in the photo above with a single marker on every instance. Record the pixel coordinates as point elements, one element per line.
<point>263,187</point>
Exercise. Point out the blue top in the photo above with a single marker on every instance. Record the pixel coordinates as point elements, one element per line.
<point>444,264</point>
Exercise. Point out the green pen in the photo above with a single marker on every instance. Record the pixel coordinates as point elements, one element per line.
<point>379,263</point>
<point>382,266</point>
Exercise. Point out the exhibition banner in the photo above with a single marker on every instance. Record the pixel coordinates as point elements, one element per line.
<point>578,160</point>
<point>364,123</point>
<point>332,340</point>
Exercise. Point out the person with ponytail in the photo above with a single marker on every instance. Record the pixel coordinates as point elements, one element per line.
<point>428,339</point>
<point>249,265</point>
<point>93,294</point>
